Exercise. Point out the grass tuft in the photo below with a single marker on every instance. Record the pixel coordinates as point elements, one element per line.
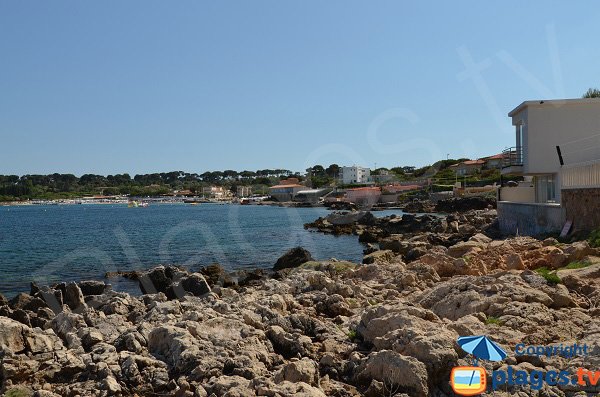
<point>493,320</point>
<point>577,265</point>
<point>549,275</point>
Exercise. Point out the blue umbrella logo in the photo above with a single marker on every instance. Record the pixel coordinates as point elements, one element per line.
<point>481,347</point>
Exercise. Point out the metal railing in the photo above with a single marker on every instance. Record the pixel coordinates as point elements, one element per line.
<point>512,157</point>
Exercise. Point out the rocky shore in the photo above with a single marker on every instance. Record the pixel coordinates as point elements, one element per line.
<point>314,328</point>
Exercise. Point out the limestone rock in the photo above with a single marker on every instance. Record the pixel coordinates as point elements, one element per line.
<point>74,297</point>
<point>11,335</point>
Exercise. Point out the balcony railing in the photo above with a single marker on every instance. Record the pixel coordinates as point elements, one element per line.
<point>512,157</point>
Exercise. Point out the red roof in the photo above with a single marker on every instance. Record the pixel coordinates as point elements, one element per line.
<point>284,186</point>
<point>473,162</point>
<point>494,157</point>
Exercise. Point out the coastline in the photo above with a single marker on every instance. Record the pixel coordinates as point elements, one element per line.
<point>311,328</point>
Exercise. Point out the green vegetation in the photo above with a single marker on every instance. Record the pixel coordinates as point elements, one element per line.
<point>352,334</point>
<point>18,392</point>
<point>65,186</point>
<point>577,265</point>
<point>592,93</point>
<point>549,275</point>
<point>594,238</point>
<point>491,320</point>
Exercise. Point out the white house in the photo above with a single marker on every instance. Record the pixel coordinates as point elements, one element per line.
<point>354,174</point>
<point>557,143</point>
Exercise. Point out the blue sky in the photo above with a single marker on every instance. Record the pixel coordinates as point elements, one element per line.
<point>153,86</point>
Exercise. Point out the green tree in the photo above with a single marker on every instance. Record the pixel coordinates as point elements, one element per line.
<point>592,93</point>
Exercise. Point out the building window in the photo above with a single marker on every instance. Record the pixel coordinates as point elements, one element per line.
<point>545,189</point>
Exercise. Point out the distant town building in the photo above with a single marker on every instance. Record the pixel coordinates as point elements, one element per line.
<point>363,196</point>
<point>311,196</point>
<point>286,189</point>
<point>468,167</point>
<point>354,174</point>
<point>244,191</point>
<point>493,162</point>
<point>384,176</point>
<point>214,192</point>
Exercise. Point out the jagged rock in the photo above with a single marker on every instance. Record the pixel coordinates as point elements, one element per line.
<point>111,385</point>
<point>90,337</point>
<point>3,300</point>
<point>286,344</point>
<point>21,316</point>
<point>234,386</point>
<point>215,274</point>
<point>514,261</point>
<point>74,296</point>
<point>293,258</point>
<point>26,302</point>
<point>378,257</point>
<point>304,370</point>
<point>195,284</point>
<point>463,204</point>
<point>65,323</point>
<point>367,237</point>
<point>91,287</point>
<point>465,247</point>
<point>579,250</point>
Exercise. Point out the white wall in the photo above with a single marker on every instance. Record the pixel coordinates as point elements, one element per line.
<point>575,127</point>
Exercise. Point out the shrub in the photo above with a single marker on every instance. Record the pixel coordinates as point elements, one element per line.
<point>549,275</point>
<point>594,238</point>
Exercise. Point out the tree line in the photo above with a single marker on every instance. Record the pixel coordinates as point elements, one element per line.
<point>57,186</point>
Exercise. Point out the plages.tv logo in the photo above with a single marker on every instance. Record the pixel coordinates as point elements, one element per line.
<point>470,381</point>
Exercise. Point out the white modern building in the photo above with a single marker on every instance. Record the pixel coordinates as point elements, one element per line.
<point>557,150</point>
<point>354,174</point>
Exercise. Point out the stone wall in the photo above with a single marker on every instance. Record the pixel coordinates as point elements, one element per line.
<point>582,206</point>
<point>529,219</point>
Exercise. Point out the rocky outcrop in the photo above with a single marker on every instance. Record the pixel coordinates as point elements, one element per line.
<point>463,204</point>
<point>323,328</point>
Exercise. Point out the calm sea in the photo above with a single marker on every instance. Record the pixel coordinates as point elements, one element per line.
<point>49,244</point>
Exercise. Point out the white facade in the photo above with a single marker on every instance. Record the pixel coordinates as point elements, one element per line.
<point>540,126</point>
<point>354,174</point>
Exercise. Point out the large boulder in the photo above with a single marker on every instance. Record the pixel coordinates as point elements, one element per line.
<point>378,257</point>
<point>92,287</point>
<point>155,280</point>
<point>195,284</point>
<point>304,370</point>
<point>464,248</point>
<point>293,258</point>
<point>11,335</point>
<point>26,302</point>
